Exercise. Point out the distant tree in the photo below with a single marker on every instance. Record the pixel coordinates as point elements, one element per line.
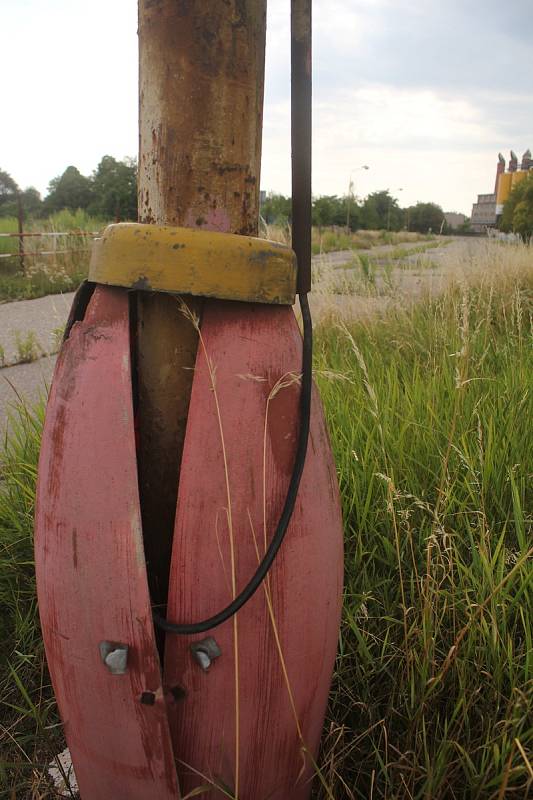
<point>518,209</point>
<point>350,212</point>
<point>424,217</point>
<point>70,190</point>
<point>328,210</point>
<point>523,219</point>
<point>8,190</point>
<point>276,209</point>
<point>114,189</point>
<point>381,211</point>
<point>30,200</point>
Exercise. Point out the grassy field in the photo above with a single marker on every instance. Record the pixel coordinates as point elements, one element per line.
<point>328,240</point>
<point>429,407</point>
<point>47,268</point>
<point>428,410</point>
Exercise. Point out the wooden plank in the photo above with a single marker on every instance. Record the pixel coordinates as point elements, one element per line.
<point>91,575</point>
<point>249,349</point>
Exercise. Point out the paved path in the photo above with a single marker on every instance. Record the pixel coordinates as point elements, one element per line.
<point>43,317</point>
<point>26,382</point>
<point>47,314</point>
<point>339,258</point>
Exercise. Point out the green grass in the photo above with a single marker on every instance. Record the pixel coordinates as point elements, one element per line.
<point>433,694</point>
<point>398,257</point>
<point>326,240</point>
<point>41,283</point>
<point>429,411</point>
<point>47,269</point>
<point>399,253</point>
<point>330,240</point>
<point>63,272</point>
<point>29,733</point>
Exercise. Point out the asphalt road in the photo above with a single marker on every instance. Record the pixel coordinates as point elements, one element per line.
<point>46,315</point>
<point>43,318</point>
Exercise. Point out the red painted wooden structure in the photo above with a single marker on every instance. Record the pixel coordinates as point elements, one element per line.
<point>149,721</point>
<point>91,573</point>
<point>247,352</point>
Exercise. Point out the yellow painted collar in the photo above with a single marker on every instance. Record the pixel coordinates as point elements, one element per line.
<point>197,262</point>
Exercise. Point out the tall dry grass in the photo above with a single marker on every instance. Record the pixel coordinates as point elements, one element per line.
<point>428,399</point>
<point>327,240</point>
<point>51,264</point>
<point>428,405</point>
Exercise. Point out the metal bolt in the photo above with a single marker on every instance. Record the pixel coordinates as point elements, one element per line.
<point>115,657</point>
<point>205,651</point>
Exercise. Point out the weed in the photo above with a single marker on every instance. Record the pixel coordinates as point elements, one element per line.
<point>57,335</point>
<point>53,264</point>
<point>29,733</point>
<point>427,409</point>
<point>28,347</point>
<point>433,695</point>
<point>367,269</point>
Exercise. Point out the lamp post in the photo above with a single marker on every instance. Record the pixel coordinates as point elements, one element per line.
<point>350,193</point>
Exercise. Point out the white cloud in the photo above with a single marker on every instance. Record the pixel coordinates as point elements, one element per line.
<point>433,147</point>
<point>392,89</point>
<point>71,95</point>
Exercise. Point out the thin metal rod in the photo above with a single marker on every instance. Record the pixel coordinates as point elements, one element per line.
<point>301,135</point>
<point>20,216</point>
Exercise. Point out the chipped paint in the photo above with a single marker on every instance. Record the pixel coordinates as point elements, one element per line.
<point>209,58</point>
<point>200,263</point>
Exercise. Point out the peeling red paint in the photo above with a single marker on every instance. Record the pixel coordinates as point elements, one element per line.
<point>91,576</point>
<point>244,342</point>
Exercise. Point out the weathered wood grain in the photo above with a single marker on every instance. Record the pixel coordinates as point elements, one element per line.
<point>91,574</point>
<point>249,348</point>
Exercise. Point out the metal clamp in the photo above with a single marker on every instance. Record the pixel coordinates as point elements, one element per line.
<point>198,262</point>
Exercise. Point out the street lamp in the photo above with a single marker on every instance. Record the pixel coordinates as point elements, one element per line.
<point>350,193</point>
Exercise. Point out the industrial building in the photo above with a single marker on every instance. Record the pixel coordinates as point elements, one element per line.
<point>489,207</point>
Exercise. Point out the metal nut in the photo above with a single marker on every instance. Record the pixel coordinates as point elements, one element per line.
<point>115,657</point>
<point>205,651</point>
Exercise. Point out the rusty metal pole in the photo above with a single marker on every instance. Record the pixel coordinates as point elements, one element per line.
<point>20,216</point>
<point>301,137</point>
<point>200,119</point>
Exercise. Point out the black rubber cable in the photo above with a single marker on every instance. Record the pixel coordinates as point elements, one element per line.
<point>277,540</point>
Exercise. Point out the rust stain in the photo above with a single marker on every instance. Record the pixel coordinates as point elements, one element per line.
<point>141,284</point>
<point>207,58</point>
<point>283,426</point>
<point>75,548</point>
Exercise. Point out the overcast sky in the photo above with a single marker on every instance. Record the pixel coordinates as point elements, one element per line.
<point>425,92</point>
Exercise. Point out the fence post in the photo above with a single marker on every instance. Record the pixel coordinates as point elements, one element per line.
<point>20,215</point>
